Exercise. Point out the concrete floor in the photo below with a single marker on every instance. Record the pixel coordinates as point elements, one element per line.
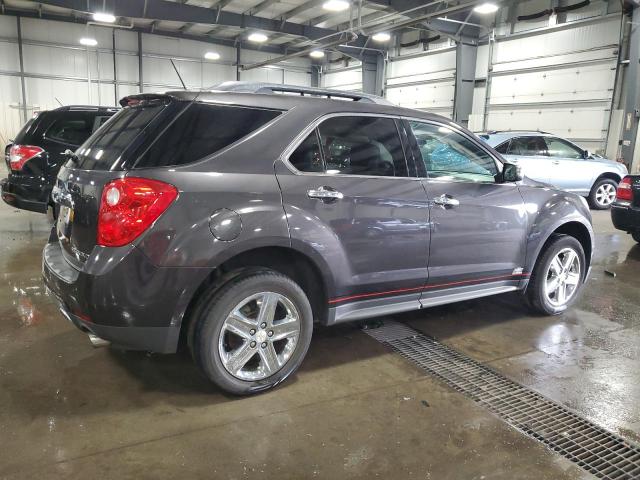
<point>354,410</point>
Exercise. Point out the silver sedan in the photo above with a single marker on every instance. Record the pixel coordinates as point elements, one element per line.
<point>559,162</point>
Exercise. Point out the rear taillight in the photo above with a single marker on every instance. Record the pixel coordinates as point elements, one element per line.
<point>21,154</point>
<point>624,190</point>
<point>129,206</point>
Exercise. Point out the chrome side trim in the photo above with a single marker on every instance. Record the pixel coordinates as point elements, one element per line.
<point>405,303</point>
<point>461,296</point>
<point>373,307</point>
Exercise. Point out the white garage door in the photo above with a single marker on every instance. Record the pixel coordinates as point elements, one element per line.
<point>425,81</point>
<point>561,82</point>
<point>349,78</point>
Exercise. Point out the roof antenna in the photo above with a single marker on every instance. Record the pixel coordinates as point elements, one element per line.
<point>61,104</point>
<point>177,73</point>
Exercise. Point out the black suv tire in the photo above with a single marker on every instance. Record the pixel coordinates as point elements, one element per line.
<point>213,312</point>
<point>536,290</point>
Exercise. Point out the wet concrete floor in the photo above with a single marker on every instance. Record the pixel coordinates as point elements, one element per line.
<point>354,410</point>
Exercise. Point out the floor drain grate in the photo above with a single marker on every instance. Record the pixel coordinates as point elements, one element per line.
<point>593,448</point>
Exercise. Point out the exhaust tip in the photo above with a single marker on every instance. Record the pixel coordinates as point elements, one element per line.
<point>98,342</point>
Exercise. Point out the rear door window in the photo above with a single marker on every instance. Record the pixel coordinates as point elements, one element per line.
<point>307,157</point>
<point>528,146</point>
<point>71,128</point>
<point>503,148</point>
<point>202,130</point>
<point>362,145</point>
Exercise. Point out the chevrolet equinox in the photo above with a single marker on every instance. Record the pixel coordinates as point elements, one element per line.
<point>234,219</point>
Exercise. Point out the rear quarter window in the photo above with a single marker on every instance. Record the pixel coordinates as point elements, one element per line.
<point>201,130</point>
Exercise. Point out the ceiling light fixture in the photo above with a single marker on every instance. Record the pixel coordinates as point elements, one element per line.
<point>316,54</point>
<point>485,8</point>
<point>381,37</point>
<point>89,42</point>
<point>257,37</point>
<point>336,5</point>
<point>212,56</point>
<point>104,17</point>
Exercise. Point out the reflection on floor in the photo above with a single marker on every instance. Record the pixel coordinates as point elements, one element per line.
<point>353,410</point>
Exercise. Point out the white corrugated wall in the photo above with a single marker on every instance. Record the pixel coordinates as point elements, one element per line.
<point>424,80</point>
<point>57,67</point>
<point>559,81</point>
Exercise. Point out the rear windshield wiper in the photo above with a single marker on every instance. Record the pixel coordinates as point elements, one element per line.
<point>71,156</point>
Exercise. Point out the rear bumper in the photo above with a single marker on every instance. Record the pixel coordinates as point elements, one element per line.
<point>13,194</point>
<point>625,217</point>
<point>134,304</point>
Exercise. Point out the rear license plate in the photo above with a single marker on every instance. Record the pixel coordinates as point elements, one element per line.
<point>65,220</point>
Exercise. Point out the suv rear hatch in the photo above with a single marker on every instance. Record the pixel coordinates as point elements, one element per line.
<point>105,156</point>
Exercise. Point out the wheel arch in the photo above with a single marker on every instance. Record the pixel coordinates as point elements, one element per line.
<point>573,228</point>
<point>610,175</point>
<point>298,266</point>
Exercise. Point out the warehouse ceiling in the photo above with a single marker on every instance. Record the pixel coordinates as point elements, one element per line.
<point>290,25</point>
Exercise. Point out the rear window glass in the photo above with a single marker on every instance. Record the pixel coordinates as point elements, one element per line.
<point>71,128</point>
<point>104,149</point>
<point>202,130</point>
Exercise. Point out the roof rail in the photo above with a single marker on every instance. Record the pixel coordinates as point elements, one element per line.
<point>259,87</point>
<point>493,132</point>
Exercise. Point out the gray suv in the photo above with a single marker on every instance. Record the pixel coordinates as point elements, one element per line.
<point>231,222</point>
<point>561,163</point>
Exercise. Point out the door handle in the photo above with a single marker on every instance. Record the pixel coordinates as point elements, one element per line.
<point>555,162</point>
<point>446,201</point>
<point>326,194</point>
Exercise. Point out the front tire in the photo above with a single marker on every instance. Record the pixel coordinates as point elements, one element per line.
<point>557,276</point>
<point>603,193</point>
<point>636,236</point>
<point>253,332</point>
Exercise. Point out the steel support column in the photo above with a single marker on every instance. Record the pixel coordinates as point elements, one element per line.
<point>22,85</point>
<point>466,54</point>
<point>373,66</point>
<point>630,141</point>
<point>140,77</point>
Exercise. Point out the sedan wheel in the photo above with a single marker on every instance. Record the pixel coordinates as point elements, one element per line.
<point>603,193</point>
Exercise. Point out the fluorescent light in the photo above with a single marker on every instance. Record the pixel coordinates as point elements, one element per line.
<point>257,37</point>
<point>316,54</point>
<point>486,8</point>
<point>212,56</point>
<point>89,42</point>
<point>381,37</point>
<point>336,5</point>
<point>104,17</point>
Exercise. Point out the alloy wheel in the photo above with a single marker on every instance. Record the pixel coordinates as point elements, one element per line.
<point>605,194</point>
<point>259,336</point>
<point>563,277</point>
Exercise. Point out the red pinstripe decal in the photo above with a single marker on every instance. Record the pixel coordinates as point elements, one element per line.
<point>427,287</point>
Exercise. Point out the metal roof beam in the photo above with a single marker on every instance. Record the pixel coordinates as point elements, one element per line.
<point>176,12</point>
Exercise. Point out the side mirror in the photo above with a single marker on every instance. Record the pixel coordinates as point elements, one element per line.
<point>586,154</point>
<point>511,172</point>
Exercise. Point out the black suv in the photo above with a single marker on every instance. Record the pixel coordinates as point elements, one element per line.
<point>38,151</point>
<point>233,221</point>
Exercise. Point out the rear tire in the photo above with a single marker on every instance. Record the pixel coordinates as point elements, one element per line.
<point>603,193</point>
<point>557,276</point>
<point>252,333</point>
<point>636,236</point>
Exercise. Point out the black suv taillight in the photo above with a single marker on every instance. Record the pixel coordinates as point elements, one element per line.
<point>21,154</point>
<point>624,191</point>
